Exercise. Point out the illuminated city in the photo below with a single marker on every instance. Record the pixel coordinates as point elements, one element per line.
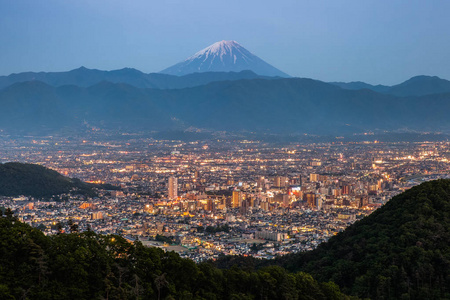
<point>210,198</point>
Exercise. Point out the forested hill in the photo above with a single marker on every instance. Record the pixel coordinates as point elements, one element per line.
<point>89,266</point>
<point>37,181</point>
<point>401,251</point>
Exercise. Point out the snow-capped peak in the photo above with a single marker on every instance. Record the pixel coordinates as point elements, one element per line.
<point>221,49</point>
<point>224,56</point>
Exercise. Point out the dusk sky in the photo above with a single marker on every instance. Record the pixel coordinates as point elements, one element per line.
<point>379,42</point>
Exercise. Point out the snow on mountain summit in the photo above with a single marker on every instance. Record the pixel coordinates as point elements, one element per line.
<point>224,56</point>
<point>221,49</point>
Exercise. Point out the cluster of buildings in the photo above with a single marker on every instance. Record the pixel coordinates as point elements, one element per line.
<point>206,199</point>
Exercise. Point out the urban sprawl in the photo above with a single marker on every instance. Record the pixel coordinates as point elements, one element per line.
<point>207,199</point>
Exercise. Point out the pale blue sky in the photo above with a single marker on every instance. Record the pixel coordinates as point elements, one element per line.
<point>383,42</point>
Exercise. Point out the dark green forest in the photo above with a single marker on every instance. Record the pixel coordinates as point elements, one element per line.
<point>37,181</point>
<point>90,266</point>
<point>400,251</point>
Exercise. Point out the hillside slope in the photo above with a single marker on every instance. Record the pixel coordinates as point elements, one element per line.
<point>401,251</point>
<point>37,181</point>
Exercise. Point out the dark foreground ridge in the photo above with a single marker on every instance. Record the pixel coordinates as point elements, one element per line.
<point>18,179</point>
<point>401,251</point>
<point>90,266</point>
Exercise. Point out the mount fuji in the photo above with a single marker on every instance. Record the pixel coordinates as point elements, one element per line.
<point>224,56</point>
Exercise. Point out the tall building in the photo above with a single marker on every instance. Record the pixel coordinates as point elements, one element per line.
<point>310,199</point>
<point>173,187</point>
<point>313,177</point>
<point>210,205</point>
<point>243,209</point>
<point>261,182</point>
<point>362,200</point>
<point>346,189</point>
<point>236,199</point>
<point>283,199</point>
<point>280,181</point>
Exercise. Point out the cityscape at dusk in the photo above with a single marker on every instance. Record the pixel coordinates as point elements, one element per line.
<point>233,150</point>
<point>282,199</point>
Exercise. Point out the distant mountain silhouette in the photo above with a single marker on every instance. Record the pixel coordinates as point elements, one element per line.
<point>83,77</point>
<point>420,86</point>
<point>224,56</point>
<point>86,77</point>
<point>359,85</point>
<point>277,105</point>
<point>415,86</point>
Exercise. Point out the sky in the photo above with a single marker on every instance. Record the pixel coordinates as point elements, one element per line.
<point>378,42</point>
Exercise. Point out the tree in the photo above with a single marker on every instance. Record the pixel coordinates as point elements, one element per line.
<point>160,282</point>
<point>73,227</point>
<point>59,227</point>
<point>5,292</point>
<point>9,213</point>
<point>41,227</point>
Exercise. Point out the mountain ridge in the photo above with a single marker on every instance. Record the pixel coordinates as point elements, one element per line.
<point>292,105</point>
<point>419,85</point>
<point>85,77</point>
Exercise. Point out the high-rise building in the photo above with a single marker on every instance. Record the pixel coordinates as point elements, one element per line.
<point>173,187</point>
<point>346,189</point>
<point>210,205</point>
<point>362,200</point>
<point>243,209</point>
<point>313,177</point>
<point>236,199</point>
<point>282,199</point>
<point>261,183</point>
<point>310,199</point>
<point>280,181</point>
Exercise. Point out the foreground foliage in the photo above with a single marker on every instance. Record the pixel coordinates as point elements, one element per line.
<point>91,266</point>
